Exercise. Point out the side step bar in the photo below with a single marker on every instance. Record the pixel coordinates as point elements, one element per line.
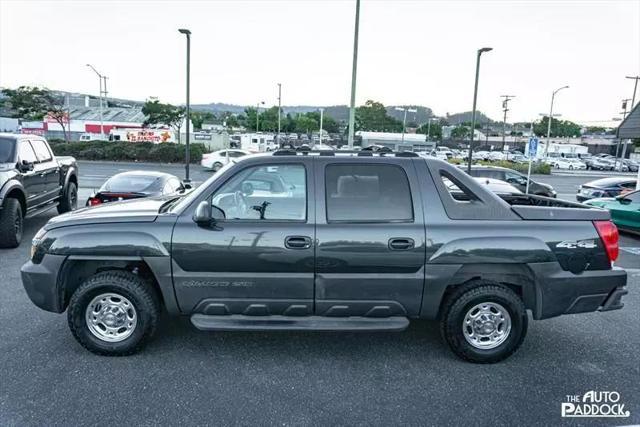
<point>238,322</point>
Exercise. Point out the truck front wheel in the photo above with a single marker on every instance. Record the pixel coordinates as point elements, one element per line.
<point>484,323</point>
<point>113,313</point>
<point>68,199</point>
<point>11,222</point>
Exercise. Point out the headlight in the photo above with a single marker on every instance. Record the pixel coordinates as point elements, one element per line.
<point>37,241</point>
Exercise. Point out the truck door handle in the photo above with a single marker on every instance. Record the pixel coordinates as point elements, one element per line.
<point>297,242</point>
<point>401,244</point>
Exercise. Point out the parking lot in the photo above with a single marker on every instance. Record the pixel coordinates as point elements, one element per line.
<point>296,378</point>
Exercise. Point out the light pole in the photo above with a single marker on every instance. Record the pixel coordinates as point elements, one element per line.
<point>404,120</point>
<point>475,99</point>
<point>100,77</point>
<point>188,113</point>
<point>321,116</point>
<point>505,108</point>
<point>258,115</point>
<point>352,105</point>
<point>279,108</point>
<point>429,127</point>
<point>553,96</point>
<point>635,87</point>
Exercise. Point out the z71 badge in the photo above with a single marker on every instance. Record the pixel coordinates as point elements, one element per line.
<point>574,244</point>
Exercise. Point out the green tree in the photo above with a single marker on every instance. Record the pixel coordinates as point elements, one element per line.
<point>199,117</point>
<point>460,132</point>
<point>435,131</point>
<point>559,128</point>
<point>372,116</point>
<point>158,113</point>
<point>305,124</point>
<point>33,103</point>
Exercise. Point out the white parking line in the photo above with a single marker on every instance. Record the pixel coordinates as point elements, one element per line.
<point>631,250</point>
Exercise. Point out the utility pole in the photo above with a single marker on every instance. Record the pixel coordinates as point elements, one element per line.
<point>321,117</point>
<point>352,105</point>
<point>100,76</point>
<point>624,116</point>
<point>505,108</point>
<point>635,87</point>
<point>279,108</point>
<point>258,115</point>
<point>187,156</point>
<point>404,120</point>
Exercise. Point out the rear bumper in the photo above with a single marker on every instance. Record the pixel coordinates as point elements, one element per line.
<point>41,282</point>
<point>561,292</point>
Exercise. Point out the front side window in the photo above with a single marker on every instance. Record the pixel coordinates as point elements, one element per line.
<point>41,149</point>
<point>367,193</point>
<point>271,192</point>
<point>26,153</point>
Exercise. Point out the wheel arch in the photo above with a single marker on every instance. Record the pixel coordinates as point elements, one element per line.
<point>75,271</point>
<point>15,191</point>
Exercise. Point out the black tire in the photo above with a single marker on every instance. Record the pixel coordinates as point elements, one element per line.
<point>463,300</point>
<point>69,199</point>
<point>216,166</point>
<point>11,224</point>
<point>141,295</point>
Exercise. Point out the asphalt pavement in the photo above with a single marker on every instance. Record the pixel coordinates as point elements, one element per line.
<point>297,378</point>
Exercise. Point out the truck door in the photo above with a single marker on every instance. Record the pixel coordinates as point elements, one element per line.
<point>370,233</point>
<point>49,167</point>
<point>259,260</point>
<point>33,181</point>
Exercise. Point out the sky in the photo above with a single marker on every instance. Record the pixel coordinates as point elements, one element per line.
<point>418,52</point>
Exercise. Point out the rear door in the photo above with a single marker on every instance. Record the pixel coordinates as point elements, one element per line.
<point>370,235</point>
<point>48,166</point>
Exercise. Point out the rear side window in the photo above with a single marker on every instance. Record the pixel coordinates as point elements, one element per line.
<point>41,149</point>
<point>367,193</point>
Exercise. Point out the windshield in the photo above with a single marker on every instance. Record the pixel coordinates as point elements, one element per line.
<point>129,184</point>
<point>7,148</point>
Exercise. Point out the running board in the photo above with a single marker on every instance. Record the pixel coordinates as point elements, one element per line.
<point>238,322</point>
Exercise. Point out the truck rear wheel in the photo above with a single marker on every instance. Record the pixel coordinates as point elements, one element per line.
<point>484,323</point>
<point>113,313</point>
<point>11,223</point>
<point>69,199</point>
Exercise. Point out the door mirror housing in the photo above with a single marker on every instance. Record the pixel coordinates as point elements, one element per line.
<point>207,214</point>
<point>26,165</point>
<point>623,200</point>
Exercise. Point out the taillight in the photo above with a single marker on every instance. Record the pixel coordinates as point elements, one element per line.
<point>94,201</point>
<point>609,234</point>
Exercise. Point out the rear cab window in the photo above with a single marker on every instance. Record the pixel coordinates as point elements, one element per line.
<point>42,151</point>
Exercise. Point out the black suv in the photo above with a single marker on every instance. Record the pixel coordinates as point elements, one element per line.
<point>514,178</point>
<point>32,180</point>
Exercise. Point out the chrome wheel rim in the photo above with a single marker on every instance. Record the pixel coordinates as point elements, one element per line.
<point>486,325</point>
<point>111,317</point>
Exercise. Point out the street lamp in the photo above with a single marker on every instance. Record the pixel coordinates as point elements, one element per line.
<point>321,116</point>
<point>475,98</point>
<point>429,127</point>
<point>279,109</point>
<point>553,96</point>
<point>100,78</point>
<point>188,113</point>
<point>258,115</point>
<point>352,105</point>
<point>404,120</point>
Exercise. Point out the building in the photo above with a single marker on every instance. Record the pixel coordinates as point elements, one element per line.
<point>394,141</point>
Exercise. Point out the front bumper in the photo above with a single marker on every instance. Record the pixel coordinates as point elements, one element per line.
<point>561,292</point>
<point>41,282</point>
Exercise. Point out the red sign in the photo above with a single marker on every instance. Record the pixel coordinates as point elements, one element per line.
<point>32,131</point>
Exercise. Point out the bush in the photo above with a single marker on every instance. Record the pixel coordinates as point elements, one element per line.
<point>128,151</point>
<point>536,167</point>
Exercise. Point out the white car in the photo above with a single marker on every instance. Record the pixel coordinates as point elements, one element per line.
<point>494,185</point>
<point>218,159</point>
<point>496,155</point>
<point>564,163</point>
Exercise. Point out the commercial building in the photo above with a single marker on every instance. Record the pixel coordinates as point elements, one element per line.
<point>395,141</point>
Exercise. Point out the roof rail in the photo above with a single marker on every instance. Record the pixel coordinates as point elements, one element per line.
<point>290,152</point>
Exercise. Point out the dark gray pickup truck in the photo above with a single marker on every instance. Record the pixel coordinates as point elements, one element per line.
<point>32,180</point>
<point>327,241</point>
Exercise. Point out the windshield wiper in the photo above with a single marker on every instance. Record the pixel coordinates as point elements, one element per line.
<point>166,205</point>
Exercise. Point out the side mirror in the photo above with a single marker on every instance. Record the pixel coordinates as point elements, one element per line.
<point>26,166</point>
<point>206,214</point>
<point>623,200</point>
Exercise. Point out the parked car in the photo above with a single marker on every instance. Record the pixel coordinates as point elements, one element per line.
<point>358,243</point>
<point>518,158</point>
<point>494,185</point>
<point>606,187</point>
<point>569,163</point>
<point>514,178</point>
<point>632,166</point>
<point>624,209</point>
<point>496,156</point>
<point>599,163</point>
<point>32,180</point>
<point>135,185</point>
<point>218,159</point>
